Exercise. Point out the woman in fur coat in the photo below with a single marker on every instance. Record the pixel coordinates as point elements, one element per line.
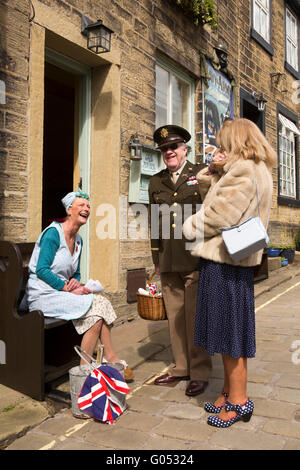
<point>225,321</point>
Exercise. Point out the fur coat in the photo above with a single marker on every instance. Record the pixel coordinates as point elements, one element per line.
<point>229,200</point>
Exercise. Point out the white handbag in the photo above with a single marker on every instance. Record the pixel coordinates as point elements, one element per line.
<point>245,239</point>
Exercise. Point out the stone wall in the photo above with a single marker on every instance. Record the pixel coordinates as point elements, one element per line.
<point>142,30</point>
<point>252,65</point>
<point>14,71</point>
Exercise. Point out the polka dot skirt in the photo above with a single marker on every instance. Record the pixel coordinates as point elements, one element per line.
<point>225,319</point>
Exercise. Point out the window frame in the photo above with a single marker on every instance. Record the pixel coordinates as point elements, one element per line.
<point>254,34</point>
<point>285,200</point>
<point>177,72</point>
<point>287,65</point>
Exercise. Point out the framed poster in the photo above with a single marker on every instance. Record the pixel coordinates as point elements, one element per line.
<point>140,173</point>
<point>218,105</point>
<point>150,162</point>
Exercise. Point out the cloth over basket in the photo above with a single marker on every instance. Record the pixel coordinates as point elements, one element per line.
<point>102,387</point>
<point>151,307</point>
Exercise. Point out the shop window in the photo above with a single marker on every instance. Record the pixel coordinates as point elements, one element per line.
<point>288,133</point>
<point>174,99</point>
<point>291,43</point>
<point>261,29</point>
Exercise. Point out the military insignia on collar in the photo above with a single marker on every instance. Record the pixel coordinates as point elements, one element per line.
<point>164,133</point>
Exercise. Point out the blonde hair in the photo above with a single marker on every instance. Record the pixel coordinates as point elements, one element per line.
<point>241,138</point>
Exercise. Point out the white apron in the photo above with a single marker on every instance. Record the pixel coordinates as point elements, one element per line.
<point>52,302</point>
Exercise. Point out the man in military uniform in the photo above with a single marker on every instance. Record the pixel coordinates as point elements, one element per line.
<point>172,189</point>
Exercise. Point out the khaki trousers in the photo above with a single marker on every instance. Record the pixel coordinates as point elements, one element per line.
<point>180,297</point>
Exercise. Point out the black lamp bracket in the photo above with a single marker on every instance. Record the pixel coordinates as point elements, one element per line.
<point>85,21</point>
<point>276,79</point>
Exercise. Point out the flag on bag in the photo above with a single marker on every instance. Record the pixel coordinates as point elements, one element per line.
<point>102,393</point>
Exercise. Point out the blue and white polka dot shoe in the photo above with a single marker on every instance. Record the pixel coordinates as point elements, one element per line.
<point>244,413</point>
<point>211,408</point>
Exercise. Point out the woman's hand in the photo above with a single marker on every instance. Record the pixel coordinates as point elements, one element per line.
<point>218,157</point>
<point>72,284</point>
<point>74,287</point>
<point>81,290</point>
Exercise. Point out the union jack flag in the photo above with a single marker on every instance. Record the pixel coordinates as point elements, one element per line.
<point>103,394</point>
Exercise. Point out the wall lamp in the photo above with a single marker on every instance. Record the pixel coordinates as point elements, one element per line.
<point>98,35</point>
<point>135,148</point>
<point>260,100</point>
<point>222,54</point>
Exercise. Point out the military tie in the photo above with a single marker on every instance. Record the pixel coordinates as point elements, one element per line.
<point>175,176</point>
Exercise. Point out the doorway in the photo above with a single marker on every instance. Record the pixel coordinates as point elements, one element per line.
<point>249,110</point>
<point>67,128</point>
<point>60,118</point>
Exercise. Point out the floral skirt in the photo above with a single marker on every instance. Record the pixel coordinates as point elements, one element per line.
<point>101,309</point>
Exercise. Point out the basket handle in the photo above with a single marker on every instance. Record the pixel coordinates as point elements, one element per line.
<point>79,351</point>
<point>151,277</point>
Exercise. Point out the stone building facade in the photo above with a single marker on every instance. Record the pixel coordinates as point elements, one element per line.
<point>67,115</point>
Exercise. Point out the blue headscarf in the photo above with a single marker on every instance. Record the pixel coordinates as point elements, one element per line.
<point>69,198</point>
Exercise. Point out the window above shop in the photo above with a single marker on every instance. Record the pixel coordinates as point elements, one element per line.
<point>288,165</point>
<point>261,25</point>
<point>174,99</point>
<point>292,42</point>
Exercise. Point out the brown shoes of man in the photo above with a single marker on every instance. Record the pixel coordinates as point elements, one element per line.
<point>167,379</point>
<point>194,388</point>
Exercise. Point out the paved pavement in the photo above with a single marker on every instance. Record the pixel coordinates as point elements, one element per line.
<point>164,418</point>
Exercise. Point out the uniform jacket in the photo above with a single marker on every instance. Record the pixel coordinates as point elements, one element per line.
<point>230,199</point>
<point>174,202</point>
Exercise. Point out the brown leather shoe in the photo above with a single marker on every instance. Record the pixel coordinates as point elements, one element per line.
<point>167,379</point>
<point>195,387</point>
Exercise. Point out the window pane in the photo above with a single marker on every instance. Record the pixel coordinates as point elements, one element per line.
<point>162,90</point>
<point>287,163</point>
<point>256,18</point>
<point>261,18</point>
<point>291,40</point>
<point>180,102</point>
<point>288,51</point>
<point>265,25</point>
<point>294,57</point>
<point>293,29</point>
<point>174,99</point>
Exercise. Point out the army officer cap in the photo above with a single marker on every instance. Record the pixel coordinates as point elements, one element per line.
<point>169,134</point>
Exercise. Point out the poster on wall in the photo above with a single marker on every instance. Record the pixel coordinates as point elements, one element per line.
<point>218,105</point>
<point>140,173</point>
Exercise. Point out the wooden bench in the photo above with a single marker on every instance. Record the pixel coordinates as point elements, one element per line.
<point>38,350</point>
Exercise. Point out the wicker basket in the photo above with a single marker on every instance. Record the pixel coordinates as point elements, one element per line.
<point>151,307</point>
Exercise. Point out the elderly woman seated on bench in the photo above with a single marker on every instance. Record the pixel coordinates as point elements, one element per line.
<point>54,280</point>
